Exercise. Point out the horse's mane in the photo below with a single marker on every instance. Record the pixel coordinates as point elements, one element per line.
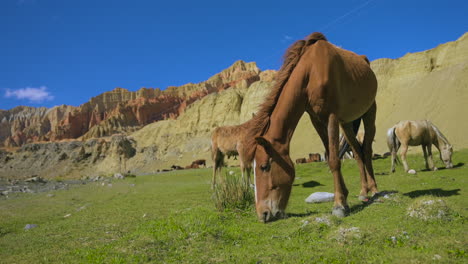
<point>438,133</point>
<point>261,120</point>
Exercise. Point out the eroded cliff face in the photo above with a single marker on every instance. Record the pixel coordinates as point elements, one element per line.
<point>426,85</point>
<point>117,111</point>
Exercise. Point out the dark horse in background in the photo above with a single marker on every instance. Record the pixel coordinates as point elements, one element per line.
<point>335,87</point>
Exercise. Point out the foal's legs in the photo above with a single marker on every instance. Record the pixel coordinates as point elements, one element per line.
<point>340,207</point>
<point>218,163</point>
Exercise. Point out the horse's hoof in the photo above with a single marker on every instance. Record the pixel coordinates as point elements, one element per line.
<point>435,168</point>
<point>363,198</point>
<point>340,211</point>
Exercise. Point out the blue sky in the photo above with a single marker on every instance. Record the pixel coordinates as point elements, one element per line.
<point>56,52</point>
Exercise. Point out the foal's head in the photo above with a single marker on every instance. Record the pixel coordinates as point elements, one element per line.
<point>274,175</point>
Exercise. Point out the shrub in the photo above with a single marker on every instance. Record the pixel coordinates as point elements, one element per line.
<point>232,193</point>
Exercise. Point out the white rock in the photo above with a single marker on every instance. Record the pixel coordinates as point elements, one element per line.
<point>30,226</point>
<point>412,171</point>
<point>320,197</point>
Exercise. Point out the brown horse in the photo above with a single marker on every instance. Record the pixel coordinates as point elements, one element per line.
<point>301,160</point>
<point>199,162</point>
<point>415,133</point>
<point>229,140</point>
<point>335,87</point>
<point>314,157</point>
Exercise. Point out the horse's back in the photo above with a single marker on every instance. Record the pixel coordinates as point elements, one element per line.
<point>341,79</point>
<point>413,133</point>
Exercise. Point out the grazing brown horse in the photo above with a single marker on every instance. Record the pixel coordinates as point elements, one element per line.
<point>229,140</point>
<point>301,160</point>
<point>335,87</point>
<point>414,133</point>
<point>200,162</point>
<point>314,157</point>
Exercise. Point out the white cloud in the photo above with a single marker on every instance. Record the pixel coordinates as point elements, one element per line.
<point>34,95</point>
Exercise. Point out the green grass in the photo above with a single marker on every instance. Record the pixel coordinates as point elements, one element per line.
<point>172,218</point>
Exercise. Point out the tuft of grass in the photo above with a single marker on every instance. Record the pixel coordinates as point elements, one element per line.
<point>232,193</point>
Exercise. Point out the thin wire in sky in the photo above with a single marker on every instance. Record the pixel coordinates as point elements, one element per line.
<point>334,22</point>
<point>328,26</point>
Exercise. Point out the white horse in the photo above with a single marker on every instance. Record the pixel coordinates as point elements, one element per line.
<point>415,133</point>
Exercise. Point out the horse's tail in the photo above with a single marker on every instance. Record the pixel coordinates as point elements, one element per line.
<point>393,143</point>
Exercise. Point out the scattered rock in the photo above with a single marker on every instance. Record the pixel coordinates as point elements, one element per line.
<point>346,235</point>
<point>428,209</point>
<point>320,197</point>
<point>119,176</point>
<point>36,179</point>
<point>231,172</point>
<point>437,257</point>
<point>67,215</point>
<point>50,195</point>
<point>30,226</point>
<point>412,171</point>
<point>323,220</point>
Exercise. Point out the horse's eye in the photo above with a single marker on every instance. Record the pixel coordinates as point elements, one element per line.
<point>265,167</point>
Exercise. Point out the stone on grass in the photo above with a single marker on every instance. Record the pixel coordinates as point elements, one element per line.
<point>30,226</point>
<point>119,176</point>
<point>429,209</point>
<point>320,197</point>
<point>412,171</point>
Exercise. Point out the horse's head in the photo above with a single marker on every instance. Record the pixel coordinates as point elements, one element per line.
<point>274,175</point>
<point>446,155</point>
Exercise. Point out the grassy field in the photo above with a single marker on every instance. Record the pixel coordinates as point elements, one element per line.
<point>171,218</point>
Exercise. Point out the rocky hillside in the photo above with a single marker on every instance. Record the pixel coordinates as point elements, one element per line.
<point>430,85</point>
<point>113,112</point>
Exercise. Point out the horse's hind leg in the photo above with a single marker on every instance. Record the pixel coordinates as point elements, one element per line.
<point>369,128</point>
<point>359,156</point>
<point>404,149</point>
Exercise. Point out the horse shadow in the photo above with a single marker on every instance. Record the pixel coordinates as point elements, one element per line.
<point>435,192</point>
<point>309,184</point>
<point>359,207</point>
<point>458,165</point>
<point>289,215</point>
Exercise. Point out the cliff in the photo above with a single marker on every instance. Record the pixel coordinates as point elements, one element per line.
<point>117,111</point>
<point>430,85</point>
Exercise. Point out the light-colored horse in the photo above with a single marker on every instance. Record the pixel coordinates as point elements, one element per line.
<point>228,141</point>
<point>335,87</point>
<point>415,133</point>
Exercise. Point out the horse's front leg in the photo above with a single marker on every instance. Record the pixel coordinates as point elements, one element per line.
<point>340,207</point>
<point>430,160</point>
<point>404,149</point>
<point>425,156</point>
